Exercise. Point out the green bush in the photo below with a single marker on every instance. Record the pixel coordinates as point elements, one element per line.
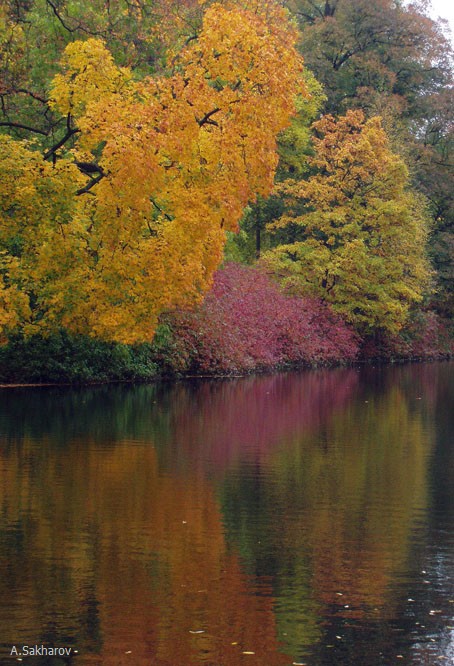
<point>65,358</point>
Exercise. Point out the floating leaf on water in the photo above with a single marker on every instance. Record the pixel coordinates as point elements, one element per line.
<point>234,643</point>
<point>197,631</point>
<point>248,652</point>
<point>128,652</point>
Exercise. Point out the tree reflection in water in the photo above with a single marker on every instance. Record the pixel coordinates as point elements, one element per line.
<point>196,522</point>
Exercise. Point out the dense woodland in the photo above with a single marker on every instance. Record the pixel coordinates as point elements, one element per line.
<point>221,187</point>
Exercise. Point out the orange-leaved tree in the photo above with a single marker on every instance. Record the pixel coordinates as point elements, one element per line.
<point>362,231</point>
<point>126,215</point>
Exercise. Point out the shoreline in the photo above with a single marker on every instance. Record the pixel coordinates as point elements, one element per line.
<point>267,371</point>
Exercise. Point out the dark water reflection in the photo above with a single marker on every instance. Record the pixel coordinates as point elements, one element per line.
<point>301,518</point>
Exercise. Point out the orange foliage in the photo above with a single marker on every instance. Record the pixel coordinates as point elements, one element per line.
<point>175,160</point>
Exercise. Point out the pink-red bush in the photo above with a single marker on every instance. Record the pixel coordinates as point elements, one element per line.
<point>426,336</point>
<point>247,323</point>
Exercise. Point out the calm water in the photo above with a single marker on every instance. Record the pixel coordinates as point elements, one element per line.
<point>303,518</point>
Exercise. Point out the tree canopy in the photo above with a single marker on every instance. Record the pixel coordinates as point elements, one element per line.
<point>125,215</point>
<point>136,137</point>
<point>362,232</point>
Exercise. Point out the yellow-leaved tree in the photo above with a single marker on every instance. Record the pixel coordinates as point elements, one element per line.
<point>126,215</point>
<point>361,232</point>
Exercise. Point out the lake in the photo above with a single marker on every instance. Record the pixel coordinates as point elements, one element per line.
<point>291,518</point>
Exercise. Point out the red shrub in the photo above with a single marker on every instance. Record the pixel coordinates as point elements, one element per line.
<point>426,336</point>
<point>247,323</point>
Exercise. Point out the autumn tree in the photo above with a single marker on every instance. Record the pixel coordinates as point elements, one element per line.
<point>432,158</point>
<point>125,215</point>
<point>362,236</point>
<point>363,51</point>
<point>391,59</point>
<point>294,145</point>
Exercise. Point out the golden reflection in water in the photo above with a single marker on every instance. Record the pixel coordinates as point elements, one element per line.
<point>129,542</point>
<point>138,560</point>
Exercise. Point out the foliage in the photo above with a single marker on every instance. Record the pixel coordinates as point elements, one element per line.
<point>64,358</point>
<point>295,142</point>
<point>294,147</point>
<point>36,210</point>
<point>149,176</point>
<point>154,132</point>
<point>362,232</point>
<point>247,323</point>
<point>365,51</point>
<point>426,336</point>
<point>441,251</point>
<point>390,59</point>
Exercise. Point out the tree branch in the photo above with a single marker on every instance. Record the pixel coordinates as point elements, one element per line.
<point>160,209</point>
<point>79,25</point>
<point>90,184</point>
<point>57,14</point>
<point>206,120</point>
<point>24,127</point>
<point>89,167</point>
<point>69,133</point>
<point>31,94</point>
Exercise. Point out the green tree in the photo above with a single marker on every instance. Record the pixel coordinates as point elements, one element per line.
<point>362,231</point>
<point>294,147</point>
<point>362,51</point>
<point>391,59</point>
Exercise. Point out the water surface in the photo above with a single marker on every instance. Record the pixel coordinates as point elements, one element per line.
<point>299,518</point>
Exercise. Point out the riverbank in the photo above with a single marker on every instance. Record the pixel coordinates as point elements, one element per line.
<point>245,325</point>
<point>23,365</point>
